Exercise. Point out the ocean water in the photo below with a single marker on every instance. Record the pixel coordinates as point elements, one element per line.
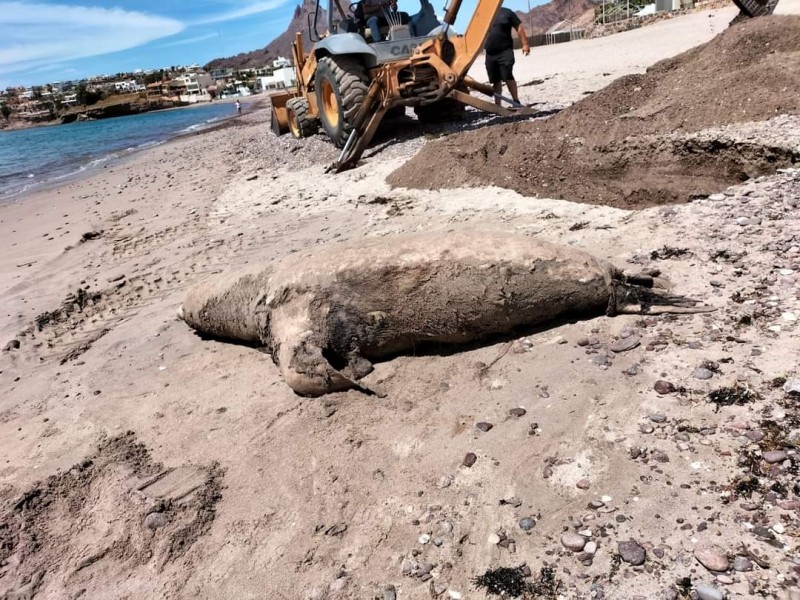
<point>31,158</point>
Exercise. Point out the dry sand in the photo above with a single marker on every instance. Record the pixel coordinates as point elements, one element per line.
<point>233,487</point>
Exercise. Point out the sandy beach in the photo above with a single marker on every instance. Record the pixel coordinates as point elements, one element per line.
<point>261,493</point>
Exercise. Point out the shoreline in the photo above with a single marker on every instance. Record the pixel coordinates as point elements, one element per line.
<point>57,122</point>
<point>96,164</point>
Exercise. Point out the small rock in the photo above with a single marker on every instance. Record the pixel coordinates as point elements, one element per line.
<point>583,484</point>
<point>512,501</point>
<point>742,564</point>
<point>631,552</point>
<point>646,428</point>
<point>454,595</point>
<point>390,593</point>
<point>778,528</point>
<point>658,418</point>
<point>483,426</point>
<point>517,412</point>
<point>702,373</point>
<point>469,459</point>
<point>12,345</point>
<point>493,539</point>
<point>154,520</point>
<point>573,541</point>
<point>792,386</point>
<point>590,547</point>
<point>424,538</point>
<point>600,360</point>
<point>774,456</point>
<point>663,387</point>
<point>584,341</point>
<point>717,197</point>
<point>711,559</point>
<point>708,592</point>
<point>595,504</point>
<point>625,344</point>
<point>526,523</point>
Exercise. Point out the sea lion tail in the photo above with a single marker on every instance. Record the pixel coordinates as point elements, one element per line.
<point>646,295</point>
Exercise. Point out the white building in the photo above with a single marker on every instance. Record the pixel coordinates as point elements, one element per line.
<point>284,77</point>
<point>126,87</point>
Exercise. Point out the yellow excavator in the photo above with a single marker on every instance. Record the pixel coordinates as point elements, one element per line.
<point>349,81</point>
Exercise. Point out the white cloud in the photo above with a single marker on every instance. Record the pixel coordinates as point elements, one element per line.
<point>32,35</point>
<point>245,11</point>
<point>191,40</point>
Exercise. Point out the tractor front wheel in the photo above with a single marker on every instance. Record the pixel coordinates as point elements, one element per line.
<point>341,85</point>
<point>301,123</point>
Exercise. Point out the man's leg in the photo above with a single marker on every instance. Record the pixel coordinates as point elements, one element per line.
<point>512,89</point>
<point>375,28</point>
<point>493,72</point>
<point>498,89</point>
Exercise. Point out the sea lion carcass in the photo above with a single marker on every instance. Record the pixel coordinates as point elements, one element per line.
<point>325,314</point>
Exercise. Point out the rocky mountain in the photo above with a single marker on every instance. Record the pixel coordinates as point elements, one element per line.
<point>541,18</point>
<point>280,46</point>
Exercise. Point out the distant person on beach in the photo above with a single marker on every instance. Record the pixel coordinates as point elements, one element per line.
<point>500,52</point>
<point>238,107</point>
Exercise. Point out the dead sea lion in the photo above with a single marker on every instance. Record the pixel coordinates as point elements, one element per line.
<point>325,314</point>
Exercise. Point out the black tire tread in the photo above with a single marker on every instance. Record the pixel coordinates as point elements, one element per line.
<point>352,82</point>
<point>306,122</point>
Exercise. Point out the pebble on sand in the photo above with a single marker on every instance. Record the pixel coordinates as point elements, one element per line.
<point>470,459</point>
<point>774,456</point>
<point>573,541</point>
<point>708,592</point>
<point>517,412</point>
<point>526,523</point>
<point>663,387</point>
<point>624,344</point>
<point>702,373</point>
<point>483,426</point>
<point>631,552</point>
<point>713,560</point>
<point>154,520</point>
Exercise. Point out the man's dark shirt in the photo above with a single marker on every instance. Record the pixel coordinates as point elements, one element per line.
<point>499,38</point>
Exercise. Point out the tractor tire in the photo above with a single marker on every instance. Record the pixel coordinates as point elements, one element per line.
<point>342,84</point>
<point>444,111</point>
<point>301,123</point>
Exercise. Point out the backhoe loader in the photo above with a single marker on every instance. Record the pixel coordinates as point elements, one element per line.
<point>348,82</point>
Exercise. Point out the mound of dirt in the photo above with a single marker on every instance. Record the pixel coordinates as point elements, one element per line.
<point>112,515</point>
<point>634,143</point>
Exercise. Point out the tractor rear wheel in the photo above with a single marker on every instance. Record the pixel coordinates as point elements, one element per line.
<point>301,123</point>
<point>443,111</point>
<point>342,84</point>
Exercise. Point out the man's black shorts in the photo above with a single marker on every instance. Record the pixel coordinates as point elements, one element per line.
<point>500,67</point>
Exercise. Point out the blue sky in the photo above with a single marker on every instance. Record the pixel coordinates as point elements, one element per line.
<point>42,41</point>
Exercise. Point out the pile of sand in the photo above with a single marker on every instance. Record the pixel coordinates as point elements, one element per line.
<point>632,144</point>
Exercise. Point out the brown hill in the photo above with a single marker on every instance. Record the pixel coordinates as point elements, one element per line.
<point>280,46</point>
<point>541,18</point>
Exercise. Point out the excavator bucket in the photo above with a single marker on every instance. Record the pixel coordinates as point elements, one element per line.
<point>280,116</point>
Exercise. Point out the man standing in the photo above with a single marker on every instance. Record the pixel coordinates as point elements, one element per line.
<point>500,52</point>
